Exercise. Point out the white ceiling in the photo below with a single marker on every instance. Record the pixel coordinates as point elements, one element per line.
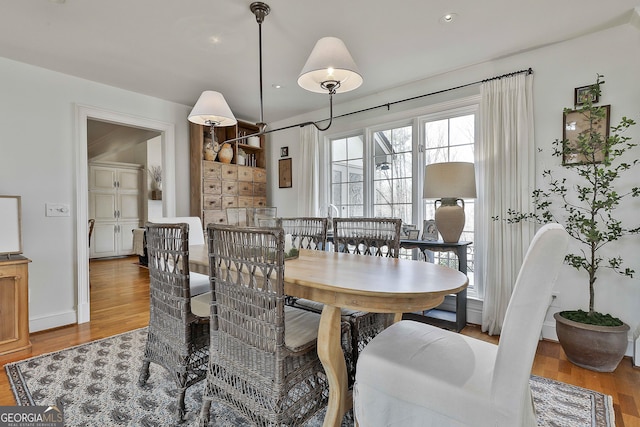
<point>162,48</point>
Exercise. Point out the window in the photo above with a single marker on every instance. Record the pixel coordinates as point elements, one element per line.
<point>378,171</point>
<point>452,140</point>
<point>392,178</point>
<point>347,175</point>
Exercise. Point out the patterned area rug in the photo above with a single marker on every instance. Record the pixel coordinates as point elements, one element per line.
<point>97,384</point>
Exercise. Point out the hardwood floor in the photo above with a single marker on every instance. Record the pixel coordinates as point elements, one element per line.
<point>120,303</point>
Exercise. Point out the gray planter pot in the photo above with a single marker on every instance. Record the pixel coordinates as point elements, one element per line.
<point>598,348</point>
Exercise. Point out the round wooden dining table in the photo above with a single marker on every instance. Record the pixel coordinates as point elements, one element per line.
<point>359,282</point>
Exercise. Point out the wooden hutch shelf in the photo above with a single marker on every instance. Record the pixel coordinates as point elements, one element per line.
<point>216,186</point>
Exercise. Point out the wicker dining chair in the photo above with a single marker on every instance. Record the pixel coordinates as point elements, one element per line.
<point>177,339</point>
<point>311,233</point>
<point>366,236</point>
<point>263,357</point>
<point>306,232</point>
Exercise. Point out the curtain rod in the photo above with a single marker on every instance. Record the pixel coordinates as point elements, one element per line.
<point>389,104</point>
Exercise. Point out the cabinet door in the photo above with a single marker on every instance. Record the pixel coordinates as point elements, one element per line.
<point>104,240</point>
<point>128,207</point>
<point>102,178</point>
<point>9,293</point>
<point>129,180</point>
<point>125,237</point>
<point>102,206</point>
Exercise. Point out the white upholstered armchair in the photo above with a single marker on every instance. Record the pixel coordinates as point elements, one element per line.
<point>413,374</point>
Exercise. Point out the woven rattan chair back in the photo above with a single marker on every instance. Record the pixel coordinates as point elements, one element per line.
<point>306,232</point>
<point>251,369</point>
<point>367,236</point>
<point>176,339</point>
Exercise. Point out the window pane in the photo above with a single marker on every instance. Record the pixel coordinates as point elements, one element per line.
<point>461,153</point>
<point>355,196</point>
<point>437,155</point>
<point>436,133</point>
<point>402,190</point>
<point>347,174</point>
<point>462,130</point>
<point>338,150</point>
<point>382,193</point>
<point>355,170</point>
<point>392,176</point>
<point>355,147</point>
<point>383,211</point>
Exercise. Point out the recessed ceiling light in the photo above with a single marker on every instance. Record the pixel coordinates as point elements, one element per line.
<point>276,86</point>
<point>214,40</point>
<point>448,18</point>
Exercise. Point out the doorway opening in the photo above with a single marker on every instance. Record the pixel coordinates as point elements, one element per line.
<point>84,116</point>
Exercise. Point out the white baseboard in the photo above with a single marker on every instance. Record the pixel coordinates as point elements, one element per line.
<point>474,308</point>
<point>636,352</point>
<point>52,321</point>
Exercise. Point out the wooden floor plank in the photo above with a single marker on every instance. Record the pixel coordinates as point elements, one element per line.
<point>120,303</point>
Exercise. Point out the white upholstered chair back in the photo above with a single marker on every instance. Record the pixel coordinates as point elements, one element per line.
<point>199,283</point>
<point>196,231</point>
<point>417,375</point>
<point>525,315</point>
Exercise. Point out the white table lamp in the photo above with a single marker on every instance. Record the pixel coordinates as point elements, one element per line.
<point>449,183</point>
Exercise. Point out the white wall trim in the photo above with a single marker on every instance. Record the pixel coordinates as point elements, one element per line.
<point>474,308</point>
<point>52,321</point>
<point>84,112</point>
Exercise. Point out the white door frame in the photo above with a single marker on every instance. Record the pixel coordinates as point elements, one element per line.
<point>83,113</point>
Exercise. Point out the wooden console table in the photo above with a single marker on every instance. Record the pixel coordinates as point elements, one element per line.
<point>439,317</point>
<point>14,304</point>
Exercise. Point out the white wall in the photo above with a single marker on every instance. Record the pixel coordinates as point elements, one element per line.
<point>37,131</point>
<point>154,158</point>
<point>558,69</point>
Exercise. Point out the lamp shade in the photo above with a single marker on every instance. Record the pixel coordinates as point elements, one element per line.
<point>212,108</point>
<point>330,61</point>
<point>455,180</point>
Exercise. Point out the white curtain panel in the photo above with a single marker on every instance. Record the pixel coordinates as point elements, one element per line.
<point>506,160</point>
<point>309,177</point>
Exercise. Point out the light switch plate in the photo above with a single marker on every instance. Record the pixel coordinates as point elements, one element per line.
<point>57,209</point>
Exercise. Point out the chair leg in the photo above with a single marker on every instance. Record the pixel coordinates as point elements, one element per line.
<point>181,406</point>
<point>144,374</point>
<point>203,420</point>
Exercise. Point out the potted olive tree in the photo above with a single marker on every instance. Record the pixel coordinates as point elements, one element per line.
<point>585,206</point>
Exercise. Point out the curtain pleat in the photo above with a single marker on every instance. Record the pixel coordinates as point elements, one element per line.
<point>309,189</point>
<point>507,173</point>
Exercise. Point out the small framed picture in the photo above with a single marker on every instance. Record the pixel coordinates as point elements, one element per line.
<point>404,230</point>
<point>413,234</point>
<point>581,94</point>
<point>429,230</point>
<point>284,151</point>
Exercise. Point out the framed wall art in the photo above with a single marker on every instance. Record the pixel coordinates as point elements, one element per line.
<point>575,123</point>
<point>284,173</point>
<point>581,94</point>
<point>284,151</point>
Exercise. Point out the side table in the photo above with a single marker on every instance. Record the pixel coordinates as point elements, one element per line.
<point>438,317</point>
<point>14,304</point>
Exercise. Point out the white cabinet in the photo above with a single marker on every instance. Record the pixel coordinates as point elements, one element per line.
<point>115,204</point>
